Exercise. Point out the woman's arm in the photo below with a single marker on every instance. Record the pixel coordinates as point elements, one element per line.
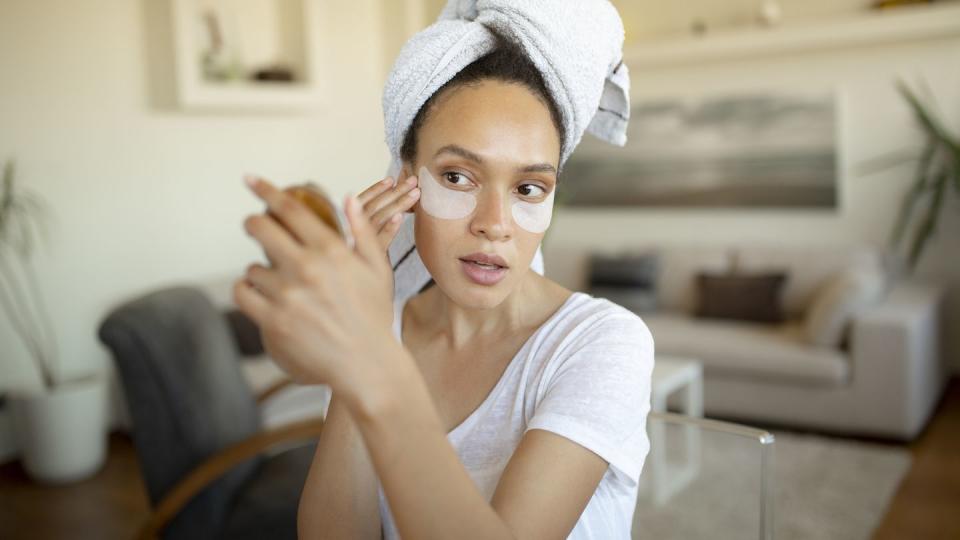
<point>339,498</point>
<point>543,490</point>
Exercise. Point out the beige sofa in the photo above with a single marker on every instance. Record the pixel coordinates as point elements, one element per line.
<point>883,379</point>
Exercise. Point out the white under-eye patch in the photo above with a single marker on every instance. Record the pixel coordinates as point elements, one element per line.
<point>534,217</point>
<point>442,202</point>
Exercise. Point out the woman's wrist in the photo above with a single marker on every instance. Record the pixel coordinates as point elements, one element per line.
<point>377,388</point>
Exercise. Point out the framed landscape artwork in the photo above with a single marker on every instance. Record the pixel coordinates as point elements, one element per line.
<point>759,150</point>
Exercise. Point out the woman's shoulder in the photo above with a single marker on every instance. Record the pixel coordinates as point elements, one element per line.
<point>597,312</point>
<point>589,319</point>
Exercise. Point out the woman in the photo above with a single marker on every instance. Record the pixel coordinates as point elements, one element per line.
<point>495,404</point>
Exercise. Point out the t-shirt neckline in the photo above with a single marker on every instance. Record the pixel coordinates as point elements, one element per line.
<point>506,372</point>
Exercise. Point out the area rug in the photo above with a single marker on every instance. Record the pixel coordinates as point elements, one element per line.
<point>825,488</point>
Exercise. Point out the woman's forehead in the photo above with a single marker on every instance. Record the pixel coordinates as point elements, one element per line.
<point>492,122</point>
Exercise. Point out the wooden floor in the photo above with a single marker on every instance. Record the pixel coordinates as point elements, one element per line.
<point>927,505</point>
<point>112,504</point>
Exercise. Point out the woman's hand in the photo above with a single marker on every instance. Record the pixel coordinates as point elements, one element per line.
<point>325,312</point>
<point>384,206</point>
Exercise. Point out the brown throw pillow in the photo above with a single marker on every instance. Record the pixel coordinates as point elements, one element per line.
<point>752,297</point>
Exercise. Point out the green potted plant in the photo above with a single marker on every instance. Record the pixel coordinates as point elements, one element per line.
<point>60,428</point>
<point>937,173</point>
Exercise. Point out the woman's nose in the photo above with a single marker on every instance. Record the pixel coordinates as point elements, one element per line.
<point>492,217</point>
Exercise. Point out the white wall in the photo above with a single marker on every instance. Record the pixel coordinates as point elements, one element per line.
<point>146,194</point>
<point>873,120</point>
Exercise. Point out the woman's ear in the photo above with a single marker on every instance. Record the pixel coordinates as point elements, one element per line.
<point>406,171</point>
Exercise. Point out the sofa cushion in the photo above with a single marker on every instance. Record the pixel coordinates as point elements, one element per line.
<point>743,349</point>
<point>809,266</point>
<point>747,297</point>
<point>840,297</point>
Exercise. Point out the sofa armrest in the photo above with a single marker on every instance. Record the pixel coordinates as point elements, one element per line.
<point>896,354</point>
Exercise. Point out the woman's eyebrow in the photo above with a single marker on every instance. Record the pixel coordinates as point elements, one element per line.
<point>467,154</point>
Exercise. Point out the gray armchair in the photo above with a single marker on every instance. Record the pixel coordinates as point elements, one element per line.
<point>210,469</point>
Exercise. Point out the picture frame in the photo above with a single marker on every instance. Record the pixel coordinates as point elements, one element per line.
<point>754,148</point>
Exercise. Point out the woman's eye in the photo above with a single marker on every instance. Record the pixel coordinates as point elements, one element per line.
<point>455,175</point>
<point>531,190</point>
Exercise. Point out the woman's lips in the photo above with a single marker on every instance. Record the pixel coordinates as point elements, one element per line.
<point>483,274</point>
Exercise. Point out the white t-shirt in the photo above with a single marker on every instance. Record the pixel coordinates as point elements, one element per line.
<point>585,375</point>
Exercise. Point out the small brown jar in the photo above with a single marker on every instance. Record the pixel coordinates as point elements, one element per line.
<point>317,200</point>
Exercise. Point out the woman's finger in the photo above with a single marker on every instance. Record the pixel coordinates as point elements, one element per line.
<point>384,199</point>
<point>389,231</point>
<point>265,280</point>
<point>298,220</point>
<point>376,189</point>
<point>281,249</point>
<point>398,206</point>
<point>367,244</point>
<point>251,302</point>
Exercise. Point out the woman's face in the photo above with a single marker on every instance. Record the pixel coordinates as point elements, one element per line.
<point>487,158</point>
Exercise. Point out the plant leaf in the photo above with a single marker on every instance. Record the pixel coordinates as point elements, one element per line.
<point>7,198</point>
<point>39,212</point>
<point>885,161</point>
<point>923,116</point>
<point>913,195</point>
<point>928,225</point>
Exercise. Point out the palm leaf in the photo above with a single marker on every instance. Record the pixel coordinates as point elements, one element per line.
<point>22,219</point>
<point>926,228</point>
<point>913,195</point>
<point>6,200</point>
<point>885,161</point>
<point>926,120</point>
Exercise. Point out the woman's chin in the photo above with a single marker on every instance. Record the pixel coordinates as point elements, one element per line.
<point>470,295</point>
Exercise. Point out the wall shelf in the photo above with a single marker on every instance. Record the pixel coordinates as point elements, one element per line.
<point>194,92</point>
<point>870,28</point>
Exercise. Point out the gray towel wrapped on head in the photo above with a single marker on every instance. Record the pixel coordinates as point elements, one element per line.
<point>577,46</point>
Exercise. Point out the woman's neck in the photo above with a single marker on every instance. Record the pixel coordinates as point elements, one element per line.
<point>525,308</point>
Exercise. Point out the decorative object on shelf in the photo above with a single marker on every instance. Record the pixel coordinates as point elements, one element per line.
<point>219,63</point>
<point>60,428</point>
<point>889,4</point>
<point>761,149</point>
<point>278,73</point>
<point>938,168</point>
<point>770,12</point>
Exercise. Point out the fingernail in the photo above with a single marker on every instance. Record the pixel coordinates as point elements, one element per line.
<point>412,180</point>
<point>250,180</point>
<point>386,181</point>
<point>414,193</point>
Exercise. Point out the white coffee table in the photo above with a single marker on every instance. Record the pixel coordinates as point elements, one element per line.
<point>672,375</point>
<point>677,374</point>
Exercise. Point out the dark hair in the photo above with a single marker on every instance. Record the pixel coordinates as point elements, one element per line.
<point>507,63</point>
